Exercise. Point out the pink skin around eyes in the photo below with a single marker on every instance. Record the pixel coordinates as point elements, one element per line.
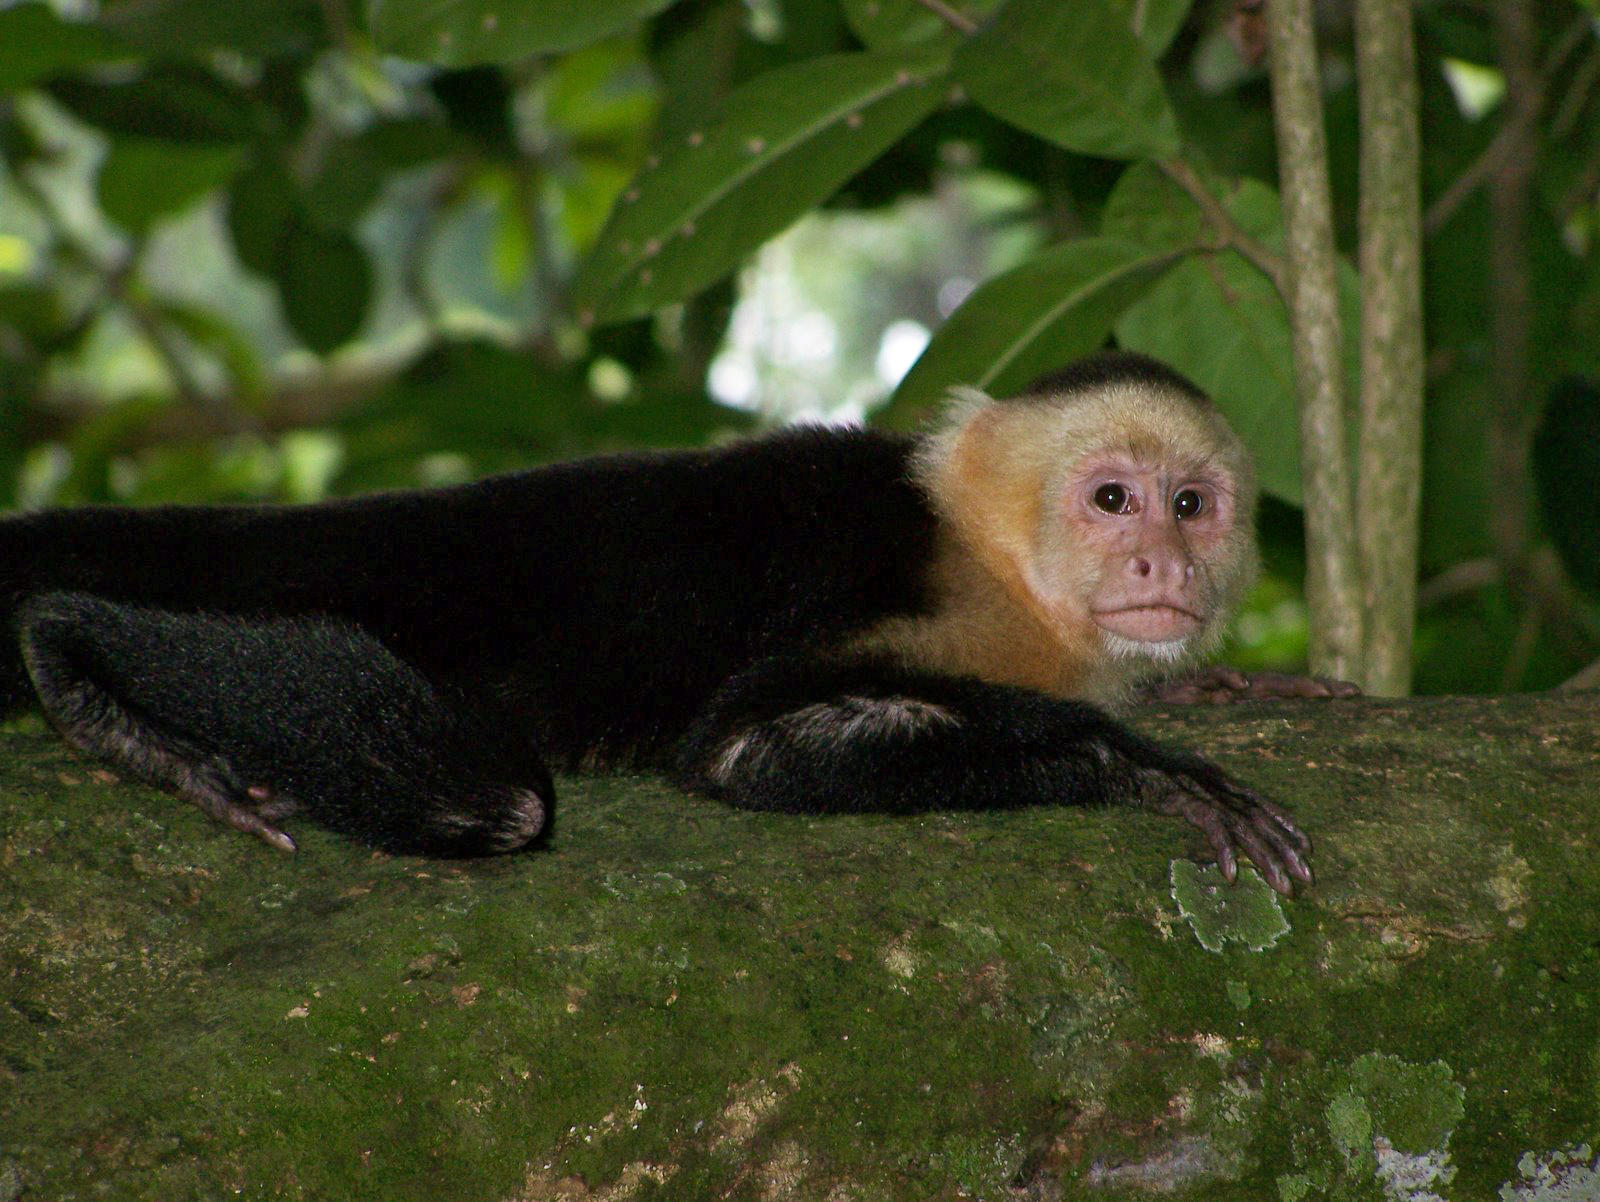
<point>1149,590</point>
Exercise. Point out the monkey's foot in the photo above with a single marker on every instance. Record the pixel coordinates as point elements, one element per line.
<point>1220,685</point>
<point>1235,819</point>
<point>252,810</point>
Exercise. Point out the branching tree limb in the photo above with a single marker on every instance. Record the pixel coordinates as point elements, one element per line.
<point>1228,233</point>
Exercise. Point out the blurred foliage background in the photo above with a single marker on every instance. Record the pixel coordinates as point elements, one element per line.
<point>283,249</point>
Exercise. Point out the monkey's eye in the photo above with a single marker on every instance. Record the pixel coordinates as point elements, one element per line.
<point>1111,498</point>
<point>1188,504</point>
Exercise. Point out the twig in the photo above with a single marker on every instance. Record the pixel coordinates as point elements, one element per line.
<point>959,21</point>
<point>1510,297</point>
<point>115,284</point>
<point>1516,129</point>
<point>1457,580</point>
<point>1585,678</point>
<point>1571,106</point>
<point>1230,234</point>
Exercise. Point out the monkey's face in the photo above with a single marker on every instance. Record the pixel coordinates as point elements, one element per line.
<point>1145,535</point>
<point>1151,528</point>
<point>1121,516</point>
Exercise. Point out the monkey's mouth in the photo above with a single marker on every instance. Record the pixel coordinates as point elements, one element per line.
<point>1158,623</point>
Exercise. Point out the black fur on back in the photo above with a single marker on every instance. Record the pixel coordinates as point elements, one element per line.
<point>595,604</point>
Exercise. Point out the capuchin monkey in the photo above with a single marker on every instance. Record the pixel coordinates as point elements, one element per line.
<point>816,621</point>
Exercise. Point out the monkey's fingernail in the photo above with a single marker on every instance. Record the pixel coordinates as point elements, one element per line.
<point>1226,862</point>
<point>279,840</point>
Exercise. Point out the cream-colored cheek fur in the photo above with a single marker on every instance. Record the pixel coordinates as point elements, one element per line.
<point>1010,585</point>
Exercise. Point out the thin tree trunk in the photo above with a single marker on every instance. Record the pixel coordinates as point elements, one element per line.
<point>1510,305</point>
<point>1333,589</point>
<point>1388,491</point>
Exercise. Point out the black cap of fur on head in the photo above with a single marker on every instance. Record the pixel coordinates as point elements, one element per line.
<point>1115,367</point>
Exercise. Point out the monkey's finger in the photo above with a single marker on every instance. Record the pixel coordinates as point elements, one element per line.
<point>1264,857</point>
<point>1281,684</point>
<point>252,823</point>
<point>1269,829</point>
<point>1244,800</point>
<point>1210,821</point>
<point>1269,850</point>
<point>1258,806</point>
<point>1282,818</point>
<point>278,839</point>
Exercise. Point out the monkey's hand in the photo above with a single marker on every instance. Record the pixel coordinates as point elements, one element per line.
<point>1220,685</point>
<point>1233,818</point>
<point>810,735</point>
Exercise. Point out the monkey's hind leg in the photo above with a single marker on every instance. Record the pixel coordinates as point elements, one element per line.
<point>255,719</point>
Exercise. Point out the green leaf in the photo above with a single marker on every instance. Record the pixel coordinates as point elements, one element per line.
<point>218,336</point>
<point>39,45</point>
<point>1215,317</point>
<point>253,28</point>
<point>325,283</point>
<point>263,205</point>
<point>788,140</point>
<point>1154,22</point>
<point>458,33</point>
<point>882,24</point>
<point>176,103</point>
<point>143,179</point>
<point>1058,305</point>
<point>1073,74</point>
<point>1147,207</point>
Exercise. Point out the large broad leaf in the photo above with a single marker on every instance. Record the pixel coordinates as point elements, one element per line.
<point>458,33</point>
<point>1058,305</point>
<point>1074,74</point>
<point>1217,319</point>
<point>144,179</point>
<point>788,140</point>
<point>175,102</point>
<point>325,284</point>
<point>884,23</point>
<point>1154,22</point>
<point>252,28</point>
<point>39,45</point>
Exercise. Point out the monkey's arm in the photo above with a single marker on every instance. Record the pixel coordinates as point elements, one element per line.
<point>805,735</point>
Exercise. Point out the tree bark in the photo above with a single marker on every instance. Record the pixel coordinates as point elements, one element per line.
<point>1333,591</point>
<point>1388,490</point>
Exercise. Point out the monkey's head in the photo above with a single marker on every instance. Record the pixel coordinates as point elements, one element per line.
<point>1112,499</point>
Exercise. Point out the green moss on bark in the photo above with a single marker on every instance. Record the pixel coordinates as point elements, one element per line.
<point>679,1000</point>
